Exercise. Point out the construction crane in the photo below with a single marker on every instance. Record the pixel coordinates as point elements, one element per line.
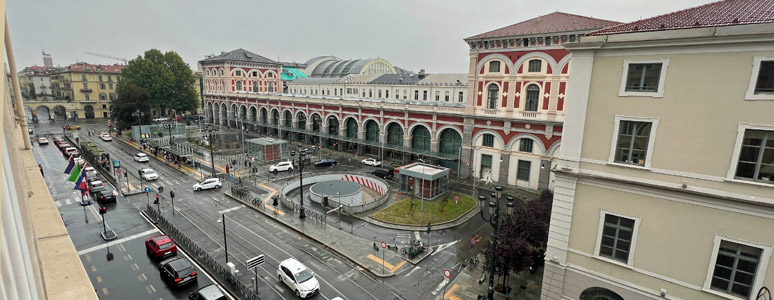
<point>126,61</point>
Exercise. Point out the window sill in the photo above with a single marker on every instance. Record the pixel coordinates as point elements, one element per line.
<point>722,295</point>
<point>637,167</point>
<point>759,97</point>
<point>613,261</point>
<point>641,94</point>
<point>751,182</point>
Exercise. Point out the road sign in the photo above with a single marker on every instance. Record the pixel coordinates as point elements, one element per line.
<point>147,189</point>
<point>384,245</point>
<point>255,261</point>
<point>472,241</point>
<point>467,163</point>
<point>116,164</point>
<point>447,273</point>
<point>118,171</point>
<point>230,175</point>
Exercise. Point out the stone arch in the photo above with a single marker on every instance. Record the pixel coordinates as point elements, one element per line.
<point>497,137</point>
<point>423,124</point>
<point>350,123</point>
<point>88,111</point>
<point>264,115</point>
<point>550,60</point>
<point>563,62</point>
<point>317,121</point>
<point>395,133</point>
<point>506,61</point>
<point>232,112</point>
<point>449,140</point>
<point>216,113</point>
<point>363,122</point>
<point>420,138</point>
<point>301,119</point>
<point>253,113</point>
<point>537,143</point>
<point>60,112</point>
<point>599,293</point>
<point>444,127</point>
<point>552,150</point>
<point>43,113</point>
<point>333,124</point>
<point>275,116</point>
<point>209,113</point>
<point>223,114</point>
<point>288,116</point>
<point>372,130</point>
<point>243,112</point>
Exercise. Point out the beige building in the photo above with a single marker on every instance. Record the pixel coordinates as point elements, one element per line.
<point>91,87</point>
<point>665,179</point>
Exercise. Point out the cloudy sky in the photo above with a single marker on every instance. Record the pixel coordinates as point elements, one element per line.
<point>413,34</point>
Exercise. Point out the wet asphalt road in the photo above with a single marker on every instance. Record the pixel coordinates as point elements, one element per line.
<point>250,234</point>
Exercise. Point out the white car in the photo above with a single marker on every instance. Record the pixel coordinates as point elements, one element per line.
<point>149,174</point>
<point>298,278</point>
<point>141,157</point>
<point>371,162</point>
<point>212,183</point>
<point>42,141</point>
<point>160,119</point>
<point>106,137</point>
<point>281,167</point>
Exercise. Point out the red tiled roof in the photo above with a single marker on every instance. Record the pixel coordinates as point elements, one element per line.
<point>553,22</point>
<point>722,13</point>
<point>81,67</point>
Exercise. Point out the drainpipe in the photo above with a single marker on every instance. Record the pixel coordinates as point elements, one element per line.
<point>15,85</point>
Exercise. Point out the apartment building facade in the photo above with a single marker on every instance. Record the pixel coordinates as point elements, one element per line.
<point>91,87</point>
<point>665,180</point>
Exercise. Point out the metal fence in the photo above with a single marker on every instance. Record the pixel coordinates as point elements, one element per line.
<point>202,257</point>
<point>243,193</point>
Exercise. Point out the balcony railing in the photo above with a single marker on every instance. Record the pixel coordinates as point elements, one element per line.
<point>86,90</point>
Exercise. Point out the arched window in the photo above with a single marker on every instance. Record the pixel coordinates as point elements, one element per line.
<point>221,72</point>
<point>492,96</point>
<point>533,98</point>
<point>238,85</point>
<point>271,87</point>
<point>208,72</point>
<point>255,86</point>
<point>598,293</point>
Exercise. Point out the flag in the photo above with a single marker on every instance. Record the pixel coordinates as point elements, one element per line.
<point>74,174</point>
<point>70,165</point>
<point>81,183</point>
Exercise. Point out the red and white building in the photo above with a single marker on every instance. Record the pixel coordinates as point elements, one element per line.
<point>506,129</point>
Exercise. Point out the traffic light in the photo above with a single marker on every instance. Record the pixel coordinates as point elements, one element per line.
<point>102,210</point>
<point>139,172</point>
<point>172,195</point>
<point>157,199</point>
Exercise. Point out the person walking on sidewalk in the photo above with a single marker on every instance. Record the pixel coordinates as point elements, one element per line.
<point>227,168</point>
<point>41,170</point>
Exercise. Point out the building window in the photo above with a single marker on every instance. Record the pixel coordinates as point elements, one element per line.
<point>207,72</point>
<point>386,94</point>
<point>87,96</point>
<point>459,99</point>
<point>238,73</point>
<point>380,94</point>
<point>270,75</point>
<point>644,78</point>
<point>85,86</point>
<point>572,38</point>
<point>83,77</point>
<point>238,85</point>
<point>255,86</point>
<point>533,98</point>
<point>112,96</point>
<point>271,87</point>
<point>633,142</point>
<point>535,65</point>
<point>494,66</point>
<point>437,96</point>
<point>523,169</point>
<point>102,97</point>
<point>370,93</point>
<point>424,95</point>
<point>100,78</point>
<point>525,145</point>
<point>110,86</point>
<point>221,72</point>
<point>548,40</point>
<point>486,160</point>
<point>756,156</point>
<point>735,268</point>
<point>104,106</point>
<point>492,96</point>
<point>488,140</point>
<point>616,237</point>
<point>762,79</point>
<point>102,86</point>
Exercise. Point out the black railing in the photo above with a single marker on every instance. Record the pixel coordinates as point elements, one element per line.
<point>202,257</point>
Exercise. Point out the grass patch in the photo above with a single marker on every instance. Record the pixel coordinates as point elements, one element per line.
<point>432,212</point>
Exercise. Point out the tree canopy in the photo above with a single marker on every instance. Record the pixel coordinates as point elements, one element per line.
<point>131,99</point>
<point>166,77</point>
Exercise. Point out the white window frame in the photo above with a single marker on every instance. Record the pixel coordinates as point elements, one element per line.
<point>661,79</point>
<point>760,273</point>
<point>635,233</point>
<point>651,141</point>
<point>738,148</point>
<point>756,66</point>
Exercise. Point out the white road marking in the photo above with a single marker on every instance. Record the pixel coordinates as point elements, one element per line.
<point>412,271</point>
<point>440,286</point>
<point>230,209</point>
<point>416,235</point>
<point>128,238</point>
<point>58,204</point>
<point>152,288</point>
<point>444,246</point>
<point>67,202</point>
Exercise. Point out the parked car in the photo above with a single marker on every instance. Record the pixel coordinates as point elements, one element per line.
<point>106,195</point>
<point>177,271</point>
<point>371,162</point>
<point>42,141</point>
<point>73,127</point>
<point>64,145</point>
<point>384,173</point>
<point>70,151</point>
<point>141,157</point>
<point>326,163</point>
<point>149,174</point>
<point>91,174</point>
<point>209,292</point>
<point>211,183</point>
<point>281,167</point>
<point>160,246</point>
<point>106,137</point>
<point>298,278</point>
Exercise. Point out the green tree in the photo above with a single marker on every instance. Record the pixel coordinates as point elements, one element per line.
<point>131,99</point>
<point>167,78</point>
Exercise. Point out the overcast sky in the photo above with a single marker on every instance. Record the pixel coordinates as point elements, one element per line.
<point>412,34</point>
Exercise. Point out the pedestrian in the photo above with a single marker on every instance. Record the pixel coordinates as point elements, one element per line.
<point>245,163</point>
<point>41,170</point>
<point>227,168</point>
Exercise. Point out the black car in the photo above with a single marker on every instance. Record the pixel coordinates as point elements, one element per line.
<point>105,195</point>
<point>177,271</point>
<point>326,163</point>
<point>384,173</point>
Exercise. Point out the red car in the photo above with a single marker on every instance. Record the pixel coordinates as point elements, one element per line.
<point>160,246</point>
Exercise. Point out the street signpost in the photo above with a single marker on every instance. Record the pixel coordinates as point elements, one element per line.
<point>384,246</point>
<point>147,196</point>
<point>447,275</point>
<point>253,264</point>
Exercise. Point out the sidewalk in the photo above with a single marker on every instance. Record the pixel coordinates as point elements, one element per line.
<point>524,285</point>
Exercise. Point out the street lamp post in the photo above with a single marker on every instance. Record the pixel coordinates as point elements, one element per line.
<point>494,220</point>
<point>303,157</point>
<point>209,130</point>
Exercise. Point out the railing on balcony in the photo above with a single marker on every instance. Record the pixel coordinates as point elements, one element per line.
<point>86,90</point>
<point>529,114</point>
